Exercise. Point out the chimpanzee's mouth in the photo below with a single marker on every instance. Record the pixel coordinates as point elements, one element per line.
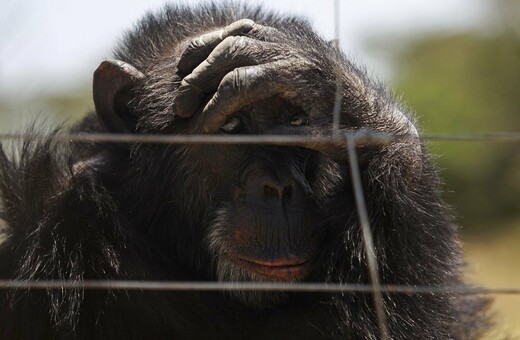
<point>281,269</point>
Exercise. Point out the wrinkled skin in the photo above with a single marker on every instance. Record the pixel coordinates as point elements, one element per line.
<point>221,212</point>
<point>242,70</point>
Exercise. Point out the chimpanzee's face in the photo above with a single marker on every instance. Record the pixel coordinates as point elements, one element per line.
<point>267,220</point>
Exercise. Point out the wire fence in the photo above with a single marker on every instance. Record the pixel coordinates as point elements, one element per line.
<point>146,285</point>
<point>361,137</point>
<point>349,141</point>
<point>346,140</point>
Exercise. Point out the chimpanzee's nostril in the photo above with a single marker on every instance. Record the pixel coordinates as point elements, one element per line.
<point>270,190</point>
<point>273,190</point>
<point>287,192</point>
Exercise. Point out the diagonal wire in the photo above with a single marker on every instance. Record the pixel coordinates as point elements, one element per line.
<point>358,189</point>
<point>367,236</point>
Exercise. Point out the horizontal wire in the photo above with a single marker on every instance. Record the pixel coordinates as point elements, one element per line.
<point>251,286</point>
<point>473,137</point>
<point>361,136</point>
<point>195,139</point>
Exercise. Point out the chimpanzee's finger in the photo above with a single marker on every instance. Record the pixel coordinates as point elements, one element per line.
<point>233,52</point>
<point>199,48</point>
<point>246,85</point>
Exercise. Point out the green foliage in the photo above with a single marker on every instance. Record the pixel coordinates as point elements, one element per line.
<point>464,84</point>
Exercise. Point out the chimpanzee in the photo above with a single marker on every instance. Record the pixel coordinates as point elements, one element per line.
<point>219,212</point>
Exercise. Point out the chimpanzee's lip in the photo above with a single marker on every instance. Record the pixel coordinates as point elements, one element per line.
<point>281,269</point>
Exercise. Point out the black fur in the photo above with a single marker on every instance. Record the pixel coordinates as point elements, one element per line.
<point>141,212</point>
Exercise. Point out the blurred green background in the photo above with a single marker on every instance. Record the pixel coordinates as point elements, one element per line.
<point>465,83</point>
<point>455,82</point>
<point>470,83</point>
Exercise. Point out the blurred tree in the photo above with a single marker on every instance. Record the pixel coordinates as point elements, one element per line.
<point>470,83</point>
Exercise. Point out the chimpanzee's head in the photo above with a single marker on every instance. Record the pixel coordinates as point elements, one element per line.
<point>259,212</point>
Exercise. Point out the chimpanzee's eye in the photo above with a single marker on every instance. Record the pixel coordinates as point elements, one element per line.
<point>233,125</point>
<point>299,119</point>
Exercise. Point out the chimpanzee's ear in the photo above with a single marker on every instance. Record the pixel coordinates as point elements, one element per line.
<point>112,91</point>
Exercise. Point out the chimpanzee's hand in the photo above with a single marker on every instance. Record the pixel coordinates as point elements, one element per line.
<point>242,64</point>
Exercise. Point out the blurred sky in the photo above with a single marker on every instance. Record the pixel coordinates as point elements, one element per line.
<point>47,45</point>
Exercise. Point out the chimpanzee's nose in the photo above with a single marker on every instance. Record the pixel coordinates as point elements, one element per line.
<point>274,189</point>
<point>267,190</point>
